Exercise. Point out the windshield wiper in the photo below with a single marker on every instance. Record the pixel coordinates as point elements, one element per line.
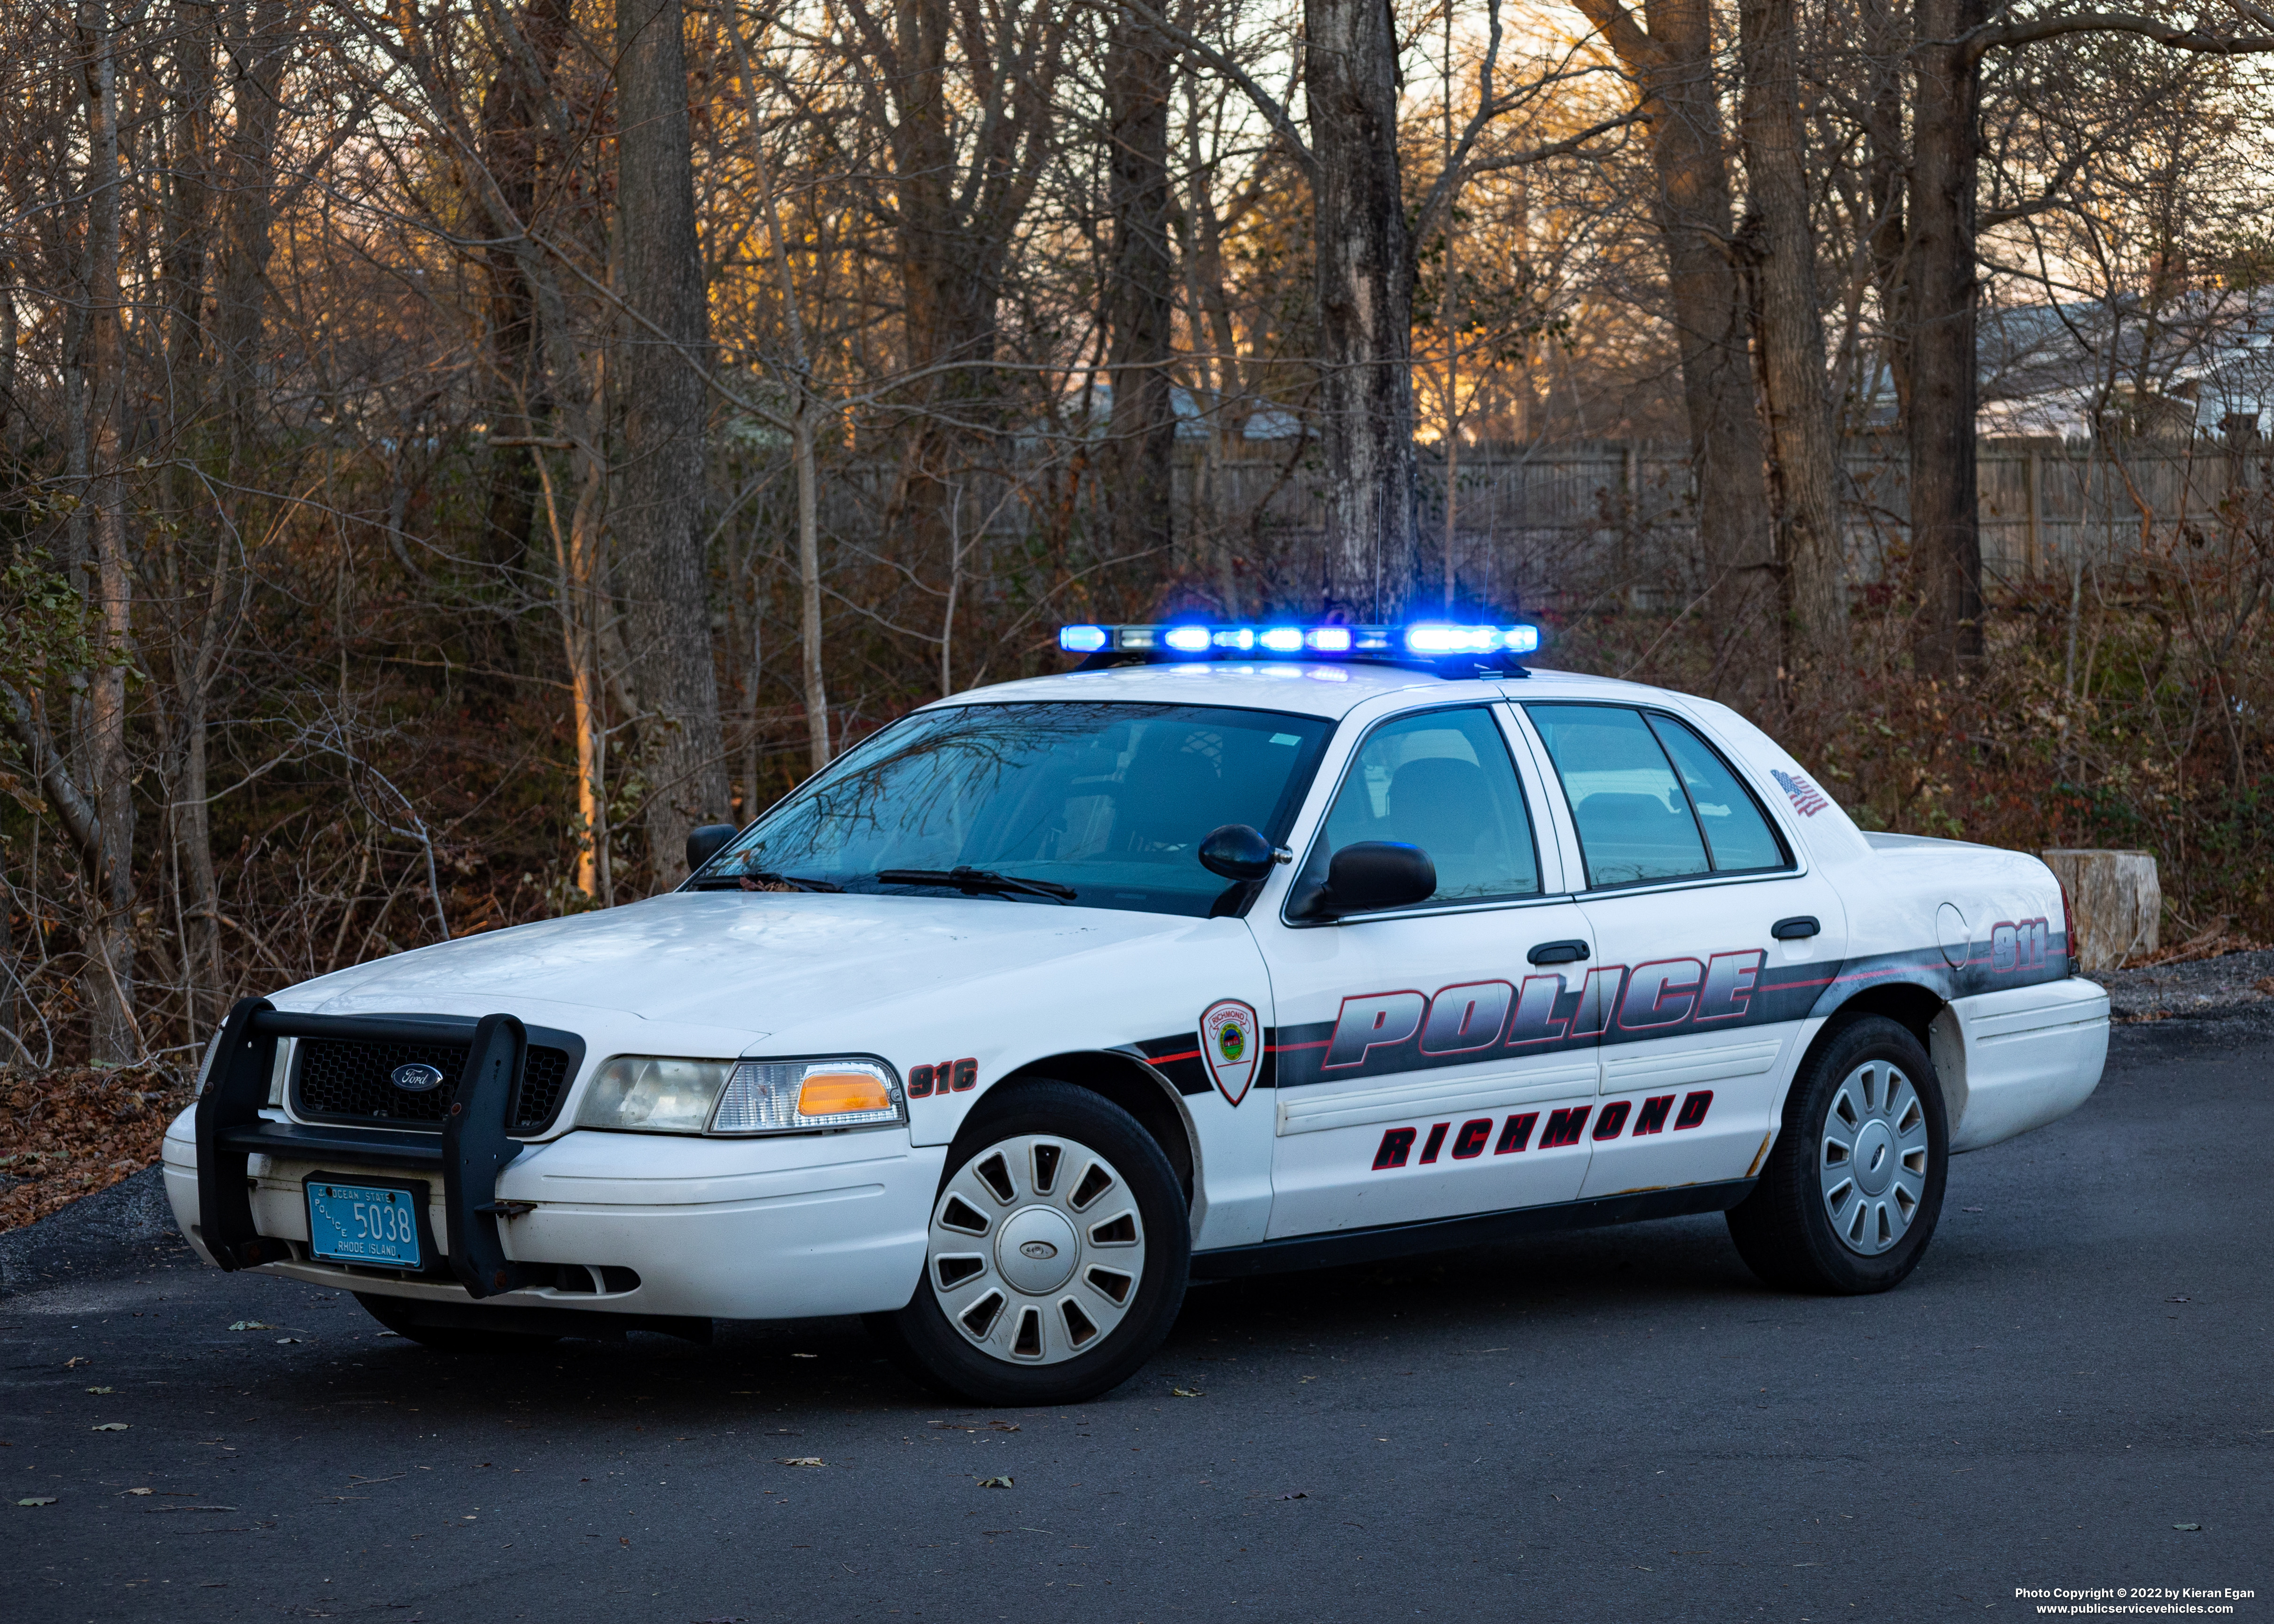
<point>762,879</point>
<point>977,879</point>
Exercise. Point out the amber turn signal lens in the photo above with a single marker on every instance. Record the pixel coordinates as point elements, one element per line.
<point>833,1093</point>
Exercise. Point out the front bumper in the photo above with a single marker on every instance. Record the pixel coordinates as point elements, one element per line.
<point>625,1223</point>
<point>733,1230</point>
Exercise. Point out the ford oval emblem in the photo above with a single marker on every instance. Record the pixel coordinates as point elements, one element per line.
<point>1041,1251</point>
<point>415,1078</point>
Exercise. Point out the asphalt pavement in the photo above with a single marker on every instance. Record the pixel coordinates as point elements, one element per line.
<point>2076,1389</point>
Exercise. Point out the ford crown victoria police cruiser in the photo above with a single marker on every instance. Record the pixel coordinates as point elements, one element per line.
<point>1238,949</point>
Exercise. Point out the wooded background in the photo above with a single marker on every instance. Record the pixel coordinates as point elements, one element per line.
<point>447,448</point>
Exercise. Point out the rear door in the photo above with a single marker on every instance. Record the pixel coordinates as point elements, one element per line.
<point>1711,935</point>
<point>1423,1061</point>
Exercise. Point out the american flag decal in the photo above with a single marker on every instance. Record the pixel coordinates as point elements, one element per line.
<point>1805,800</point>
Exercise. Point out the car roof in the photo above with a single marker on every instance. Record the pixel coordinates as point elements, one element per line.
<point>1305,686</point>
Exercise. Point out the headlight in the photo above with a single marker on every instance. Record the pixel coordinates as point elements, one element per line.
<point>653,1095</point>
<point>779,1097</point>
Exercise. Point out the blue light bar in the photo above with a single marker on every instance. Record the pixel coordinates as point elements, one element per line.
<point>1428,641</point>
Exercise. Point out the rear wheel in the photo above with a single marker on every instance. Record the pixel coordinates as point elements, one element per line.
<point>1056,1257</point>
<point>400,1316</point>
<point>1852,1190</point>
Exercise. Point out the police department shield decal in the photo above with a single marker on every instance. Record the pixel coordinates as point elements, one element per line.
<point>1232,1043</point>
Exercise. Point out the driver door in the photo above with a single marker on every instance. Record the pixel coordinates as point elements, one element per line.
<point>1430,1061</point>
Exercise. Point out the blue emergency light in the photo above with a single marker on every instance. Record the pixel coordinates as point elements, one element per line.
<point>1430,640</point>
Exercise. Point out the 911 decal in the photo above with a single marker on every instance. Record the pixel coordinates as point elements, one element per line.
<point>1564,1128</point>
<point>2022,945</point>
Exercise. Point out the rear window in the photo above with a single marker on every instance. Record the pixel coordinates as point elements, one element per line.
<point>1651,799</point>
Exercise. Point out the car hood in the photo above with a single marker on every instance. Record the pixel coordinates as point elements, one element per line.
<point>757,963</point>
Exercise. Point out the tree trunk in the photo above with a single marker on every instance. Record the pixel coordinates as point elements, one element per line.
<point>808,583</point>
<point>1887,48</point>
<point>1804,446</point>
<point>659,516</point>
<point>1373,561</point>
<point>1941,291</point>
<point>512,121</point>
<point>1672,65</point>
<point>1141,310</point>
<point>2115,902</point>
<point>193,537</point>
<point>108,981</point>
<point>257,54</point>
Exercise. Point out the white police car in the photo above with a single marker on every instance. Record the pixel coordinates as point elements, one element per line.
<point>1238,949</point>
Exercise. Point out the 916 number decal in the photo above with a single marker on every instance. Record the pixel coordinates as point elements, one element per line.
<point>956,1076</point>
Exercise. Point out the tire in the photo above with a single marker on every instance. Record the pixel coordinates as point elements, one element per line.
<point>1853,1189</point>
<point>398,1316</point>
<point>1098,1242</point>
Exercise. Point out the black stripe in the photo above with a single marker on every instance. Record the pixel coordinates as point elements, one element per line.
<point>1404,1240</point>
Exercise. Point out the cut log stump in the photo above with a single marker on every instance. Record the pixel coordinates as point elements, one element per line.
<point>2115,901</point>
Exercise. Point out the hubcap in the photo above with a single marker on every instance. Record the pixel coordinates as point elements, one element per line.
<point>1873,1159</point>
<point>1036,1250</point>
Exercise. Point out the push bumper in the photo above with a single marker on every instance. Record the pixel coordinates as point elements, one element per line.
<point>618,1224</point>
<point>631,1224</point>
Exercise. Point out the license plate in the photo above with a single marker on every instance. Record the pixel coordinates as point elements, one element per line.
<point>364,1223</point>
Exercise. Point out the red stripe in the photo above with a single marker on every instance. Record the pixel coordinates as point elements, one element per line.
<point>1289,1049</point>
<point>1190,1054</point>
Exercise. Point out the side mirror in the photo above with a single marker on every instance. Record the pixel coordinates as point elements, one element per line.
<point>1236,851</point>
<point>705,841</point>
<point>1379,874</point>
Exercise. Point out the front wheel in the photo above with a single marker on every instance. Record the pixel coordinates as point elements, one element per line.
<point>1056,1257</point>
<point>1850,1199</point>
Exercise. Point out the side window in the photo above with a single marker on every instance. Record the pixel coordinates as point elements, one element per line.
<point>1634,820</point>
<point>1443,781</point>
<point>1737,833</point>
<point>1649,795</point>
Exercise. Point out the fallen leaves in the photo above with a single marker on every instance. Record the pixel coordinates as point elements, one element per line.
<point>38,1500</point>
<point>139,1491</point>
<point>77,1360</point>
<point>2188,1528</point>
<point>71,1132</point>
<point>102,1389</point>
<point>994,1483</point>
<point>251,1324</point>
<point>1187,1393</point>
<point>108,1426</point>
<point>1298,1494</point>
<point>805,1459</point>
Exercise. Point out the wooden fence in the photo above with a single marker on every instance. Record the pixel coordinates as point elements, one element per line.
<point>1552,523</point>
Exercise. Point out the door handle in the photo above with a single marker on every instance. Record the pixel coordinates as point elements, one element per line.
<point>1796,928</point>
<point>1558,952</point>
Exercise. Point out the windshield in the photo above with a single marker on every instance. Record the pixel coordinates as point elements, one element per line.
<point>1111,801</point>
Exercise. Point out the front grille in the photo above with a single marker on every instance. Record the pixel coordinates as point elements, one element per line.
<point>347,1079</point>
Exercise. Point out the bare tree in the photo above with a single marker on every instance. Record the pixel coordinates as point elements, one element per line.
<point>658,517</point>
<point>1669,57</point>
<point>1805,450</point>
<point>1140,311</point>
